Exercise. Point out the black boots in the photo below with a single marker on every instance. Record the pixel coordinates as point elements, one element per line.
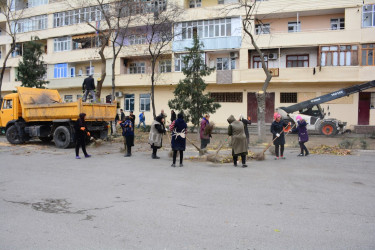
<point>153,156</point>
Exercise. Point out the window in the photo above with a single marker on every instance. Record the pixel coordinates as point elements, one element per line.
<point>227,96</point>
<point>195,3</point>
<point>340,55</point>
<point>179,62</point>
<point>72,72</point>
<point>337,23</point>
<point>68,98</point>
<point>88,14</point>
<point>225,63</point>
<point>30,24</point>
<point>368,54</point>
<point>288,97</point>
<point>34,3</point>
<point>137,68</point>
<point>90,70</point>
<point>165,66</point>
<point>297,61</point>
<point>207,28</point>
<point>61,70</point>
<point>257,63</point>
<point>129,102</point>
<point>368,16</point>
<point>8,104</point>
<point>144,102</point>
<point>294,26</point>
<point>17,50</point>
<point>62,44</point>
<point>262,29</point>
<point>137,39</point>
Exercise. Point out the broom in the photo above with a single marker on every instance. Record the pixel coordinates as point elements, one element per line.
<point>200,150</point>
<point>260,156</point>
<point>213,157</point>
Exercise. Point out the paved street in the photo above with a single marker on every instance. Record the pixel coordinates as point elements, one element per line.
<point>49,200</point>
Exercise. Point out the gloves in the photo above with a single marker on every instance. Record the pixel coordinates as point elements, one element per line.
<point>277,134</point>
<point>83,128</point>
<point>88,133</point>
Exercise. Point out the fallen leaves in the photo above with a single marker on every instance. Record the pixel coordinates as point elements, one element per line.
<point>330,150</point>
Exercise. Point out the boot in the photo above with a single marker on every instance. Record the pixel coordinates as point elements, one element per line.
<point>173,165</point>
<point>155,157</point>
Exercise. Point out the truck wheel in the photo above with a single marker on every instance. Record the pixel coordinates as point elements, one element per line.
<point>61,137</point>
<point>328,129</point>
<point>12,135</point>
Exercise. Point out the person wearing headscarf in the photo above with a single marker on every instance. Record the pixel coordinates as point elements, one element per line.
<point>238,142</point>
<point>277,130</point>
<point>173,116</point>
<point>302,135</point>
<point>80,135</point>
<point>178,140</point>
<point>156,135</point>
<point>245,123</point>
<point>128,132</point>
<point>204,136</point>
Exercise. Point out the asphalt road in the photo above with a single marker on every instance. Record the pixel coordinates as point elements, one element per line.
<point>49,200</point>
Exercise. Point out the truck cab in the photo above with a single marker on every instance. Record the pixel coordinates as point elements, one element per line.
<point>9,109</point>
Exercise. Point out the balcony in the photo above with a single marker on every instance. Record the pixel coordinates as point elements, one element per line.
<point>210,43</point>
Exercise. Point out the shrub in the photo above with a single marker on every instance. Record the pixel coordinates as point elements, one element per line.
<point>347,143</point>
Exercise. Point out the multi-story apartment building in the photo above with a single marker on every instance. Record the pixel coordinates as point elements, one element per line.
<point>311,47</point>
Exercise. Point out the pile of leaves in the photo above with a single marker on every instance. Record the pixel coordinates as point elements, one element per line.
<point>330,150</point>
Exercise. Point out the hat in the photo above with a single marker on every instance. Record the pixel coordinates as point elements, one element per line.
<point>298,117</point>
<point>240,117</point>
<point>276,115</point>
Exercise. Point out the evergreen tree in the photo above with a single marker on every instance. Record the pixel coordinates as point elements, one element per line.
<point>32,69</point>
<point>189,96</point>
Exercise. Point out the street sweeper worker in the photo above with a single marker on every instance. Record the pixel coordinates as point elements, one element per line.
<point>155,138</point>
<point>245,123</point>
<point>238,142</point>
<point>128,132</point>
<point>178,140</point>
<point>277,127</point>
<point>80,135</point>
<point>302,135</point>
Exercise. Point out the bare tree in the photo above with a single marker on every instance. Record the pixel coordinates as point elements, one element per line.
<point>159,26</point>
<point>111,27</point>
<point>13,14</point>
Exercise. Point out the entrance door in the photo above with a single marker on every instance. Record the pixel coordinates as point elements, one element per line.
<point>364,108</point>
<point>252,106</point>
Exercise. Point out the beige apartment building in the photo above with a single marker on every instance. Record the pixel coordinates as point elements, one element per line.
<point>311,47</point>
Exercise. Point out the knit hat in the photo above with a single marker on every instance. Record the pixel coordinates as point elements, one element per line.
<point>276,115</point>
<point>298,117</point>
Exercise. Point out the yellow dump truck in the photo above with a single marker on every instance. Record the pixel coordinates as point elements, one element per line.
<point>41,113</point>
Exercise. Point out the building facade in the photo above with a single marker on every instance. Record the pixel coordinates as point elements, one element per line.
<point>311,48</point>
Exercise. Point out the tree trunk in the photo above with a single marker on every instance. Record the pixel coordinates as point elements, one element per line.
<point>103,71</point>
<point>261,99</point>
<point>113,80</point>
<point>153,88</point>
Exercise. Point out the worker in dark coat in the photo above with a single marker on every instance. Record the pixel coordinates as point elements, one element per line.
<point>204,136</point>
<point>155,139</point>
<point>88,86</point>
<point>178,140</point>
<point>128,132</point>
<point>173,116</point>
<point>303,136</point>
<point>238,142</point>
<point>81,132</point>
<point>277,130</point>
<point>245,123</point>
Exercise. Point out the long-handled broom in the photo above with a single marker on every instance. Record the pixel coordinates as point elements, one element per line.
<point>200,150</point>
<point>260,156</point>
<point>213,157</point>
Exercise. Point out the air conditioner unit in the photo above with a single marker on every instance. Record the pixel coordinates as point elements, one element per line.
<point>233,54</point>
<point>118,94</point>
<point>272,56</point>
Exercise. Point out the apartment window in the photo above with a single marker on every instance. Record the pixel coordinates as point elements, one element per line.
<point>262,29</point>
<point>340,55</point>
<point>288,97</point>
<point>30,24</point>
<point>137,68</point>
<point>90,70</point>
<point>207,28</point>
<point>165,66</point>
<point>195,3</point>
<point>144,102</point>
<point>368,54</point>
<point>68,98</point>
<point>294,26</point>
<point>17,50</point>
<point>368,15</point>
<point>61,70</point>
<point>297,61</point>
<point>257,63</point>
<point>179,62</point>
<point>225,63</point>
<point>137,39</point>
<point>337,23</point>
<point>88,14</point>
<point>129,102</point>
<point>227,96</point>
<point>62,44</point>
<point>34,3</point>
